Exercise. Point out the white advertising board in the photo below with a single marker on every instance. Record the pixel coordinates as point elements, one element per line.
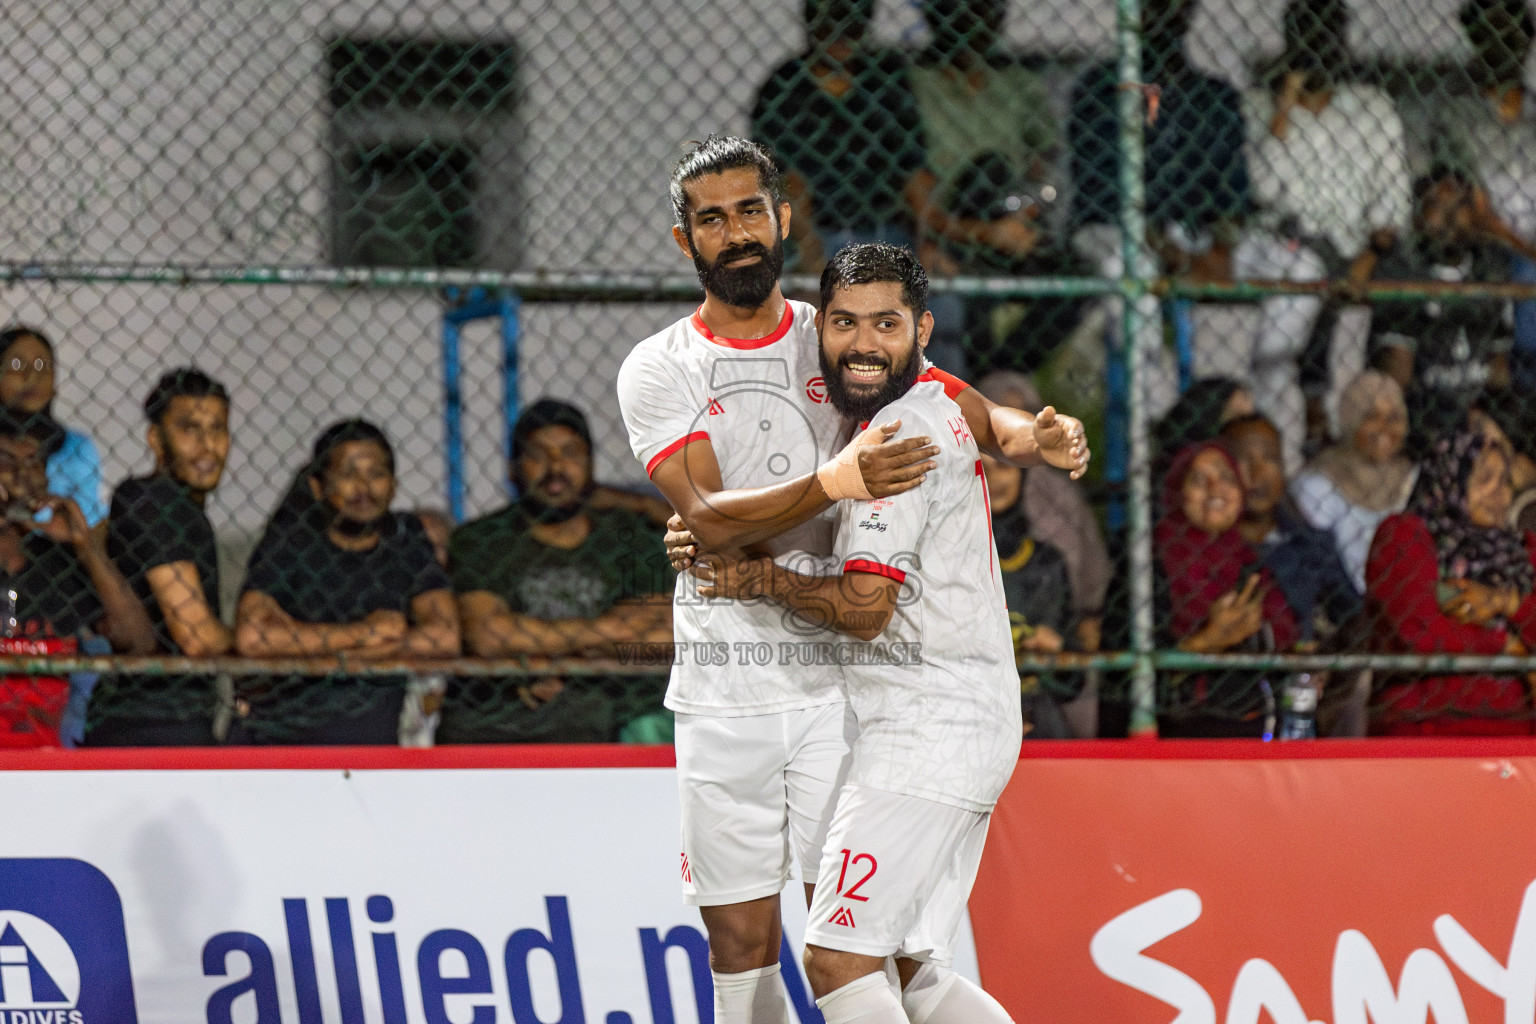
<point>332,896</point>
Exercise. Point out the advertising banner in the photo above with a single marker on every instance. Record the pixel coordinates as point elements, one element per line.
<point>1209,886</point>
<point>381,887</point>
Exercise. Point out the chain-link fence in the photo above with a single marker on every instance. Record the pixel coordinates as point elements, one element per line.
<point>1161,216</point>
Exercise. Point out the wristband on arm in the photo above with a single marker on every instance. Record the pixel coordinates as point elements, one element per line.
<point>840,476</point>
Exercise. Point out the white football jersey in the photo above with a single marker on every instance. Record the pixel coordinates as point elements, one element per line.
<point>763,406</point>
<point>936,695</point>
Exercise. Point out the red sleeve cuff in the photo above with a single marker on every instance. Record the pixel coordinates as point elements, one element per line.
<point>673,448</point>
<point>877,568</point>
<point>952,385</point>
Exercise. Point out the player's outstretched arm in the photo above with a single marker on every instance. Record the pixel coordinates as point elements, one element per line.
<point>723,519</point>
<point>858,604</point>
<point>1016,436</point>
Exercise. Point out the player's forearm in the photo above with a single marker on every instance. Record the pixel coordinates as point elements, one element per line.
<point>723,520</point>
<point>848,604</point>
<point>1013,434</point>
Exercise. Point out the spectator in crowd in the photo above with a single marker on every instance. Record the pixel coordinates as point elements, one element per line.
<point>26,387</point>
<point>1489,138</point>
<point>346,576</point>
<point>1057,513</point>
<point>439,527</point>
<point>1352,485</point>
<point>549,576</point>
<point>843,122</point>
<point>1202,410</point>
<point>1444,354</point>
<point>160,538</point>
<point>991,142</point>
<point>1300,557</point>
<point>1219,597</point>
<point>58,588</point>
<point>1197,187</point>
<point>1038,590</point>
<point>1330,172</point>
<point>1447,576</point>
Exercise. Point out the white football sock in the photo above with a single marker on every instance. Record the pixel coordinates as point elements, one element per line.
<point>751,997</point>
<point>937,995</point>
<point>869,1000</point>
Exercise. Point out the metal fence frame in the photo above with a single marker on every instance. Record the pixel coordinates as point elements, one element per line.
<point>470,294</point>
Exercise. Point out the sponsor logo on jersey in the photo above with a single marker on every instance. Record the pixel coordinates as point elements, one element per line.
<point>715,408</point>
<point>63,947</point>
<point>844,917</point>
<point>816,390</point>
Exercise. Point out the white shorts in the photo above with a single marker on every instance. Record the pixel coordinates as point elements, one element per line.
<point>896,875</point>
<point>755,792</point>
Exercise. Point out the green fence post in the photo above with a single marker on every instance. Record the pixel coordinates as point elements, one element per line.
<point>1133,285</point>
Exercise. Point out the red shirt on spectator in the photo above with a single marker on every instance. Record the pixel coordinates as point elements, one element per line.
<point>1401,586</point>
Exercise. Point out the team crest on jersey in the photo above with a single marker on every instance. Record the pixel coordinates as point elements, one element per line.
<point>844,917</point>
<point>960,429</point>
<point>816,390</point>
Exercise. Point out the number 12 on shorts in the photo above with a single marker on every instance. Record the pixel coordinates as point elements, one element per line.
<point>856,861</point>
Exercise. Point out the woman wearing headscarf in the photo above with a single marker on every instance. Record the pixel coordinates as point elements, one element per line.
<point>1352,485</point>
<point>1448,577</point>
<point>1217,595</point>
<point>1202,410</point>
<point>26,388</point>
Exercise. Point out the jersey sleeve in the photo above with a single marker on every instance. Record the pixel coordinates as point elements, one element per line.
<point>952,385</point>
<point>656,410</point>
<point>880,535</point>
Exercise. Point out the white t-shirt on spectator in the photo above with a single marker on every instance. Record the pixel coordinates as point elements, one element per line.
<point>1342,173</point>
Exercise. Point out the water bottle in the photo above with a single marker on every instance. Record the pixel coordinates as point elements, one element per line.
<point>1298,708</point>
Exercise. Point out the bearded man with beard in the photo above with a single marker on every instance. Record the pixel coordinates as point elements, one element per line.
<point>728,411</point>
<point>552,576</point>
<point>347,575</point>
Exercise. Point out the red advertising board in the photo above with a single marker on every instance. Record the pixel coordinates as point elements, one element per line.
<point>1216,883</point>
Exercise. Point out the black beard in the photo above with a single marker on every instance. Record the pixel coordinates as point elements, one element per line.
<point>536,510</point>
<point>858,407</point>
<point>743,287</point>
<point>354,529</point>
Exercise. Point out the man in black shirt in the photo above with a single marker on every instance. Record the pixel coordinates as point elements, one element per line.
<point>160,537</point>
<point>843,122</point>
<point>57,585</point>
<point>347,576</point>
<point>552,576</point>
<point>1444,352</point>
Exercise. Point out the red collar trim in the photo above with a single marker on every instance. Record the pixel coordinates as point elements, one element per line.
<point>747,343</point>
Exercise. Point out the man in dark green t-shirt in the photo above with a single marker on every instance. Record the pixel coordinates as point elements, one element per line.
<point>550,576</point>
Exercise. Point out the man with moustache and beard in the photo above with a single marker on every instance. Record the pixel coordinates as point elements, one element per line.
<point>344,576</point>
<point>728,411</point>
<point>938,733</point>
<point>550,576</point>
<point>160,538</point>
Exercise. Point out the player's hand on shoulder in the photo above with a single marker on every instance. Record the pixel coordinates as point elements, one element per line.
<point>893,465</point>
<point>1062,441</point>
<point>734,576</point>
